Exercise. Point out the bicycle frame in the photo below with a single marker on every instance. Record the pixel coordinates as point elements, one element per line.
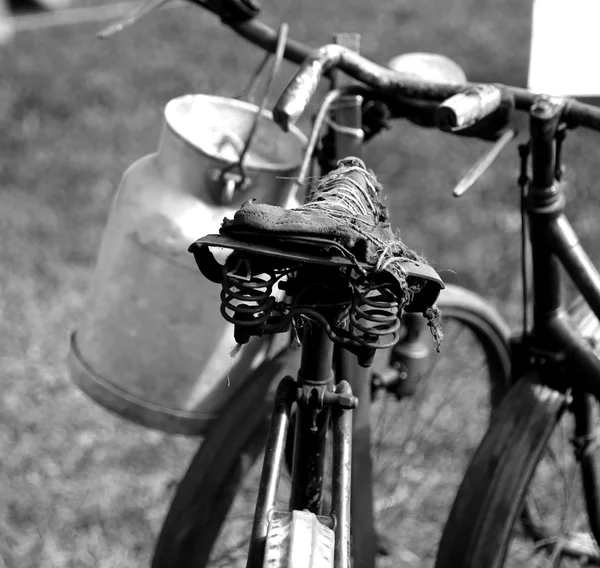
<point>553,346</point>
<point>319,401</point>
<point>326,369</point>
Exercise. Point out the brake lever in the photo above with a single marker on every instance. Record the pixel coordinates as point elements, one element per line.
<point>142,10</point>
<point>480,167</point>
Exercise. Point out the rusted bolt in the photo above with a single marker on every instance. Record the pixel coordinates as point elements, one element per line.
<point>347,401</point>
<point>344,400</point>
<point>541,106</point>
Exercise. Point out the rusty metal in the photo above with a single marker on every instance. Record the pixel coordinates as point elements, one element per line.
<point>343,400</point>
<point>352,489</point>
<point>362,509</point>
<point>545,117</point>
<point>342,479</point>
<point>357,311</point>
<point>239,16</point>
<point>346,119</point>
<point>374,317</point>
<point>312,421</point>
<point>422,87</point>
<point>559,168</point>
<point>246,296</point>
<point>467,107</point>
<point>312,425</point>
<point>327,253</point>
<point>303,86</point>
<point>271,471</point>
<point>543,202</point>
<point>321,397</point>
<point>330,100</point>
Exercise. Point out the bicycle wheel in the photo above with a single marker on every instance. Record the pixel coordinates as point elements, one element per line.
<point>421,446</point>
<point>215,476</point>
<point>525,458</point>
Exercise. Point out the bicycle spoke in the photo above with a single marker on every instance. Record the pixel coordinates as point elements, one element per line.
<point>557,507</point>
<point>421,445</point>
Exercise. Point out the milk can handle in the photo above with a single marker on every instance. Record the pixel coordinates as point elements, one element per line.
<point>279,51</point>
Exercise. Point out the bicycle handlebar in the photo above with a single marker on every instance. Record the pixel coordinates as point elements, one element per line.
<point>390,84</point>
<point>468,107</point>
<point>240,18</point>
<point>266,38</point>
<point>296,96</point>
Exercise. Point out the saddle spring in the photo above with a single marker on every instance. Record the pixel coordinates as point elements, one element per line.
<point>246,296</point>
<point>251,301</point>
<point>374,321</point>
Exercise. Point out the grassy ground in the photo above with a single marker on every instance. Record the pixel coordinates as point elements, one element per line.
<point>78,486</point>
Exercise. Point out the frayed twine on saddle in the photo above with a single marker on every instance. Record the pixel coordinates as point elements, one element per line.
<point>359,209</point>
<point>345,207</point>
<point>389,260</point>
<point>360,205</point>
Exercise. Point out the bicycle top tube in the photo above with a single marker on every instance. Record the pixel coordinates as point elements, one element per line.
<point>315,63</point>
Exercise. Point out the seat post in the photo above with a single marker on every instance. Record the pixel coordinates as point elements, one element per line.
<point>349,142</point>
<point>312,420</point>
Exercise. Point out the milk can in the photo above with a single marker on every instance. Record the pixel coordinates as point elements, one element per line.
<point>152,345</point>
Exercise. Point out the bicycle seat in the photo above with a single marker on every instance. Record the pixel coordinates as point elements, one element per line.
<point>343,223</point>
<point>310,250</point>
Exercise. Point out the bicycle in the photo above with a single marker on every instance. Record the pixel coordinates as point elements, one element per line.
<point>555,365</point>
<point>410,358</point>
<point>554,360</point>
<point>206,493</point>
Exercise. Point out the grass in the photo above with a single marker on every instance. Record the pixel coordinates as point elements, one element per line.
<point>80,487</point>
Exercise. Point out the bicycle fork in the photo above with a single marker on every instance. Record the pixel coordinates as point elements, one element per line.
<point>319,402</point>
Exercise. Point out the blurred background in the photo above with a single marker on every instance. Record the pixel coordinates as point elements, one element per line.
<point>78,486</point>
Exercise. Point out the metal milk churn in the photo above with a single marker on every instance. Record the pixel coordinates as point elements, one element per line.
<point>152,345</point>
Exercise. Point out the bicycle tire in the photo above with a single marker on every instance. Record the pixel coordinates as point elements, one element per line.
<point>205,493</point>
<point>203,487</point>
<point>491,330</point>
<point>492,495</point>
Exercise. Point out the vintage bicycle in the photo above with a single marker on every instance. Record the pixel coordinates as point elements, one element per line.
<point>208,521</point>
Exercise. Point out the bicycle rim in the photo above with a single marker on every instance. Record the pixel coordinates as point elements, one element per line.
<point>422,444</point>
<point>554,529</point>
<point>413,488</point>
<point>526,457</point>
<point>206,501</point>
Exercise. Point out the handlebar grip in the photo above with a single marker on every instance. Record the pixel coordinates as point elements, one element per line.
<point>297,95</point>
<point>468,107</point>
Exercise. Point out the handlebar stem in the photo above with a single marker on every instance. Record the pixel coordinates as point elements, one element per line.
<point>545,116</point>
